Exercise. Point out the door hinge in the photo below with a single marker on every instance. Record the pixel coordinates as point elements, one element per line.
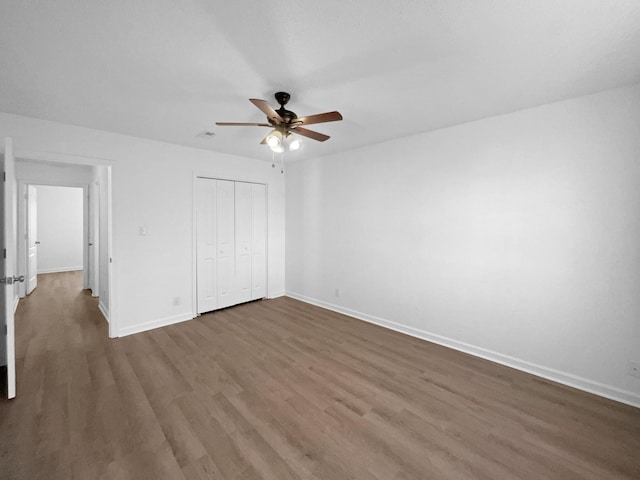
<point>4,253</point>
<point>4,176</point>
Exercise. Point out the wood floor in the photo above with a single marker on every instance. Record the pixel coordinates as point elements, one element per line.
<point>282,390</point>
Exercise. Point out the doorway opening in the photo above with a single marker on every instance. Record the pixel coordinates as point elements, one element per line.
<point>55,232</point>
<point>64,225</point>
<point>23,174</point>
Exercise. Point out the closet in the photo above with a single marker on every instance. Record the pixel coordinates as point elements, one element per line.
<point>231,242</point>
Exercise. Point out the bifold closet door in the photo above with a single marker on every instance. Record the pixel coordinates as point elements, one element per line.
<point>258,241</point>
<point>243,241</point>
<point>231,243</point>
<point>225,239</point>
<point>215,244</point>
<point>206,253</point>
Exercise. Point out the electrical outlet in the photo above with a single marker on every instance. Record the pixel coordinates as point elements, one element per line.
<point>177,301</point>
<point>634,369</point>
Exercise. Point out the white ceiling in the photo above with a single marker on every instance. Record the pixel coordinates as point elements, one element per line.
<point>169,69</point>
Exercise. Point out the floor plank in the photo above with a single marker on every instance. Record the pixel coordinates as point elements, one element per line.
<point>282,390</point>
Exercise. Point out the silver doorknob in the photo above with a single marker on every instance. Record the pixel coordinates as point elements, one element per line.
<point>37,243</point>
<point>12,280</point>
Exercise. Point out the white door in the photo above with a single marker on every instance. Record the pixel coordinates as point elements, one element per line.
<point>7,298</point>
<point>93,264</point>
<point>243,241</point>
<point>206,259</point>
<point>225,218</point>
<point>258,241</point>
<point>32,238</point>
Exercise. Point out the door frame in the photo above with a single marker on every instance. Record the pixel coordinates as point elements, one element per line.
<point>56,158</point>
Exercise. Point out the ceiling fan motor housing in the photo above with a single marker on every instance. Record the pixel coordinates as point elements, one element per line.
<point>283,98</point>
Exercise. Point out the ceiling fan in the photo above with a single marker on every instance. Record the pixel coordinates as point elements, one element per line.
<point>284,122</point>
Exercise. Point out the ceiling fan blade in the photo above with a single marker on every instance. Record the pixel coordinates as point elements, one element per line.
<point>264,140</point>
<point>238,124</point>
<point>305,132</point>
<point>267,110</point>
<point>319,118</point>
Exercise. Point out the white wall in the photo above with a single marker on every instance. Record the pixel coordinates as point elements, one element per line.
<point>516,238</point>
<point>153,187</point>
<point>60,228</point>
<point>48,173</point>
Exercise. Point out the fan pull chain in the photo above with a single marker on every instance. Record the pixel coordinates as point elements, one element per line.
<point>273,160</point>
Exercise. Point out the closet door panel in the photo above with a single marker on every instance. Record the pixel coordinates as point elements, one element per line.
<point>258,241</point>
<point>243,242</point>
<point>231,243</point>
<point>207,291</point>
<point>225,240</point>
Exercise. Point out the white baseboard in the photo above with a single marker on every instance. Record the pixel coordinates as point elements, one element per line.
<point>104,310</point>
<point>16,301</point>
<point>150,325</point>
<point>564,378</point>
<point>276,294</point>
<point>59,269</point>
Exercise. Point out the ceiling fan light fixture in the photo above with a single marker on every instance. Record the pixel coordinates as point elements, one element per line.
<point>294,144</point>
<point>274,140</point>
